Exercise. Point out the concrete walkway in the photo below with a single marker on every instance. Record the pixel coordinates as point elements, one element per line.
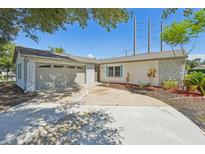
<point>101,116</point>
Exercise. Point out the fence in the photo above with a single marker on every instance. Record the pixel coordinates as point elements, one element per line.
<point>3,78</point>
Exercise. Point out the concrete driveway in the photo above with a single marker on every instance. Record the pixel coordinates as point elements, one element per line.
<point>96,115</point>
<point>105,96</point>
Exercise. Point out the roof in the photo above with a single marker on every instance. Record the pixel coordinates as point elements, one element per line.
<point>138,57</point>
<point>200,67</point>
<point>48,54</point>
<point>146,56</point>
<point>80,58</point>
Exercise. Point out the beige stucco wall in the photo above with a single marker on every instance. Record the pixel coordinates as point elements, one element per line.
<point>171,69</point>
<point>137,70</point>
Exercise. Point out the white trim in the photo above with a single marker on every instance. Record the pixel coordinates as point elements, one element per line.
<point>60,59</point>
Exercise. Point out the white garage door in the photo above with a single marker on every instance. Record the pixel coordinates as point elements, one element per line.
<point>58,76</point>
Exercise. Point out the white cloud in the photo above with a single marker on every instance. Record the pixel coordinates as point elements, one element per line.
<point>194,56</point>
<point>91,56</point>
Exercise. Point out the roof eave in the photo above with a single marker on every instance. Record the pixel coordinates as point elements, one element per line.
<point>125,61</point>
<point>62,59</point>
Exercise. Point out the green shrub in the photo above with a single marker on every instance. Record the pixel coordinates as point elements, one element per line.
<point>168,84</point>
<point>191,87</point>
<point>196,79</point>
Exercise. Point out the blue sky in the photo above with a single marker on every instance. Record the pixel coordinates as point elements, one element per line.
<point>96,41</point>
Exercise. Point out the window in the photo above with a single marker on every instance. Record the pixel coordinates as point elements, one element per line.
<point>58,66</point>
<point>19,70</point>
<point>114,71</point>
<point>44,66</point>
<point>71,67</point>
<point>110,71</point>
<point>117,71</point>
<point>79,67</point>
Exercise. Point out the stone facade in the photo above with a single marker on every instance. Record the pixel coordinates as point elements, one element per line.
<point>171,69</point>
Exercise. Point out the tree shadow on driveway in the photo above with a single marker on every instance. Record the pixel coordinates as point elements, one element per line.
<point>47,96</point>
<point>55,126</point>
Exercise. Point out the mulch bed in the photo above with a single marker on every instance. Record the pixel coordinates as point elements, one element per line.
<point>191,104</point>
<point>11,95</point>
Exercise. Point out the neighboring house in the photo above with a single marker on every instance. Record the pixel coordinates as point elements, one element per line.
<point>200,68</point>
<point>38,69</point>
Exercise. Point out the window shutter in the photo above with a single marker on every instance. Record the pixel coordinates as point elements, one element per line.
<point>120,70</point>
<point>107,71</point>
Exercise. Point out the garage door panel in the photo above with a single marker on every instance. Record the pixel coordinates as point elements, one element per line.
<point>58,78</point>
<point>79,77</point>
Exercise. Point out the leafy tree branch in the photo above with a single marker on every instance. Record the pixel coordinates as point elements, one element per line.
<point>181,33</point>
<point>29,21</point>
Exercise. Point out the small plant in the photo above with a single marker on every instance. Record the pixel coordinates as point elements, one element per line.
<point>191,87</point>
<point>169,84</point>
<point>151,74</point>
<point>128,77</point>
<point>196,79</point>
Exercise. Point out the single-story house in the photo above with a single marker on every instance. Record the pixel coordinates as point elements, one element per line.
<point>200,68</point>
<point>39,69</point>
